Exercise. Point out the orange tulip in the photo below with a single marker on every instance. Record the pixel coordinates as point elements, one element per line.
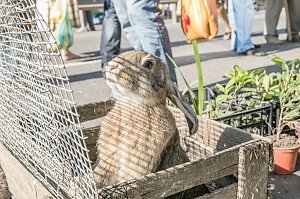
<point>199,19</point>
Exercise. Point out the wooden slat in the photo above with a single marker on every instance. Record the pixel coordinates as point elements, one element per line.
<point>21,183</point>
<point>177,179</point>
<point>253,170</point>
<point>197,150</point>
<point>228,192</point>
<point>90,141</point>
<point>4,191</point>
<point>94,110</point>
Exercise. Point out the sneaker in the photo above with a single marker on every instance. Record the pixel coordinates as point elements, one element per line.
<point>273,40</point>
<point>253,52</point>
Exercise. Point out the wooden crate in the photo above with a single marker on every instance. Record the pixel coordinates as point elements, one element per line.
<point>215,151</point>
<point>4,192</point>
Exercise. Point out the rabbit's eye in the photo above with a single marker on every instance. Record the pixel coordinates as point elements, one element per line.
<point>148,64</point>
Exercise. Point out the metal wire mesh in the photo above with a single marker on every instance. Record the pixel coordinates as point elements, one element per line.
<point>38,121</point>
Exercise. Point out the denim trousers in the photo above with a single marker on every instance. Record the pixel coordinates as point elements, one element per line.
<point>145,29</point>
<point>241,14</point>
<point>111,34</point>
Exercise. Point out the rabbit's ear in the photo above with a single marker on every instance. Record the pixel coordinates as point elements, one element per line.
<point>175,96</point>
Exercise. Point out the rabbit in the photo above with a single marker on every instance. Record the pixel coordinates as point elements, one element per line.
<point>139,135</point>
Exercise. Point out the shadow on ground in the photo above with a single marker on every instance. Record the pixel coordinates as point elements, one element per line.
<point>86,76</point>
<point>267,48</point>
<point>286,186</point>
<point>99,74</point>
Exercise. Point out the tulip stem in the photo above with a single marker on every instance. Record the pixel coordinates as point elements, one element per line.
<point>200,77</point>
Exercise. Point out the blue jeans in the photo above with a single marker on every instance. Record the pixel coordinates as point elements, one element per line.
<point>145,29</point>
<point>241,14</point>
<point>111,34</point>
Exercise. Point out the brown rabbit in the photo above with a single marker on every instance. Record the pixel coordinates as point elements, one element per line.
<point>139,130</point>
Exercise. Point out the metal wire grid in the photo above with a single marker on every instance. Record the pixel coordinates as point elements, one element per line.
<point>39,121</point>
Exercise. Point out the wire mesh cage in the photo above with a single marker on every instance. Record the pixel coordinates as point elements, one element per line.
<point>39,121</point>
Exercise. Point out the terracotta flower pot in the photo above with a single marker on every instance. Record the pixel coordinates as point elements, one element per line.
<point>285,159</point>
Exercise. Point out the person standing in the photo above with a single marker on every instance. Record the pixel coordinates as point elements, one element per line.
<point>222,12</point>
<point>111,34</point>
<point>145,28</point>
<point>273,10</point>
<point>241,14</point>
<point>45,6</point>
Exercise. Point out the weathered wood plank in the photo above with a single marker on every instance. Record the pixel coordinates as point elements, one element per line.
<point>197,150</point>
<point>90,141</point>
<point>4,191</point>
<point>228,192</point>
<point>253,170</point>
<point>94,110</point>
<point>178,178</point>
<point>21,183</point>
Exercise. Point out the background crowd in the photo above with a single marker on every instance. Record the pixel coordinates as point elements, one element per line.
<point>143,25</point>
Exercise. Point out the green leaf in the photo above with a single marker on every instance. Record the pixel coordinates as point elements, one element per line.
<point>190,85</point>
<point>266,82</point>
<point>258,71</point>
<point>268,96</point>
<point>229,85</point>
<point>220,88</point>
<point>239,71</point>
<point>246,89</point>
<point>221,98</point>
<point>228,76</point>
<point>276,98</point>
<point>278,60</point>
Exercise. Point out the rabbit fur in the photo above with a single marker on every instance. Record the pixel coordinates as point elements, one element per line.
<point>140,129</point>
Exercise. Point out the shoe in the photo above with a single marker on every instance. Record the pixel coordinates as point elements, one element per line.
<point>227,36</point>
<point>273,40</point>
<point>253,52</point>
<point>257,46</point>
<point>295,38</point>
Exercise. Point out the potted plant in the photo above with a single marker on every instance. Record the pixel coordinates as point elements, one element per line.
<point>238,102</point>
<point>287,94</point>
<point>281,88</point>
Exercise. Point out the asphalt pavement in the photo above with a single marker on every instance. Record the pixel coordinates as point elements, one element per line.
<point>89,85</point>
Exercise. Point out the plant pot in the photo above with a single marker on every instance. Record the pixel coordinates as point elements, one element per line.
<point>285,159</point>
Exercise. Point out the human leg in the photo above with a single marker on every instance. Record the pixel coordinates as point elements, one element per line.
<point>294,7</point>
<point>151,29</point>
<point>273,10</point>
<point>66,54</point>
<point>111,34</point>
<point>241,13</point>
<point>129,32</point>
<point>142,24</point>
<point>222,12</point>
